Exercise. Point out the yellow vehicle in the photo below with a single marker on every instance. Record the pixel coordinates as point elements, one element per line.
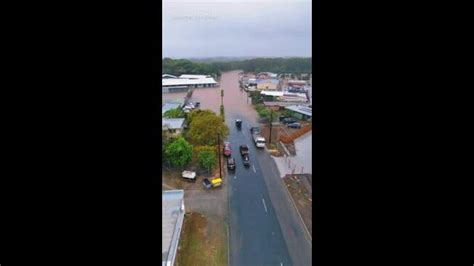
<point>216,182</point>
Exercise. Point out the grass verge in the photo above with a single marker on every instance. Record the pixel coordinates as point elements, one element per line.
<point>203,242</point>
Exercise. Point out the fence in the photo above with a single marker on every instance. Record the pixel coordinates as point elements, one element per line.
<point>293,166</point>
<point>297,134</point>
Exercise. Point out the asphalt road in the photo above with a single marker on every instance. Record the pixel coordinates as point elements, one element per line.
<point>264,227</point>
<point>255,235</point>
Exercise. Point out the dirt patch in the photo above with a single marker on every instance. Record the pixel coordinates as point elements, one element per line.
<point>300,188</point>
<point>202,242</point>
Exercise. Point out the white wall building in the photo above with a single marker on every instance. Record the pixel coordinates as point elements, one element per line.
<point>172,211</point>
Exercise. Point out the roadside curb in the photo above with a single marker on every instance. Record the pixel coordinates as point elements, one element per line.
<point>297,211</point>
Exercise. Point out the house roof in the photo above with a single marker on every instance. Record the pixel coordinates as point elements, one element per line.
<point>301,109</point>
<point>272,93</point>
<point>274,81</point>
<point>168,76</point>
<point>172,211</point>
<point>169,106</point>
<point>172,123</point>
<point>186,76</point>
<point>184,81</point>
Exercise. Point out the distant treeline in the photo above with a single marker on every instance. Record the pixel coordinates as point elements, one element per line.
<point>276,65</point>
<point>178,67</point>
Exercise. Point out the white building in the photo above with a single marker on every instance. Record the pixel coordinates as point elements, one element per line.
<point>172,211</point>
<point>191,81</point>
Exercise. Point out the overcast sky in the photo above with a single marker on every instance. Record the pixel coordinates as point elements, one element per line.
<point>236,28</point>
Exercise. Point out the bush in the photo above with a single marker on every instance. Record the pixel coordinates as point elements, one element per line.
<point>207,160</point>
<point>179,152</point>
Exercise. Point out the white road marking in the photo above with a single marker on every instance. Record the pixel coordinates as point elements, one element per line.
<point>281,263</point>
<point>254,169</point>
<point>265,206</point>
<point>235,177</point>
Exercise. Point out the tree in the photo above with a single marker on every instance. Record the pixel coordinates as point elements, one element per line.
<point>207,159</point>
<point>174,113</point>
<point>179,152</point>
<point>204,126</point>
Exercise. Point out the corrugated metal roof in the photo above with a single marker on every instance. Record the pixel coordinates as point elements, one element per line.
<point>172,123</point>
<point>272,93</point>
<point>186,76</point>
<point>301,109</point>
<point>182,81</point>
<point>169,106</point>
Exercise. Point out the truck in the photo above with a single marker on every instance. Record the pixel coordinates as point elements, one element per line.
<point>257,138</point>
<point>189,175</point>
<point>244,151</point>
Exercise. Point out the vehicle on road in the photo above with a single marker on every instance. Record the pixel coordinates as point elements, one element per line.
<point>212,183</point>
<point>246,160</point>
<point>294,125</point>
<point>289,120</point>
<point>238,123</point>
<point>189,175</point>
<point>244,151</point>
<point>197,104</point>
<point>227,149</point>
<point>257,138</point>
<point>231,163</point>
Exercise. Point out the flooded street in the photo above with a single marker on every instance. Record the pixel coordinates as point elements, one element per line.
<point>235,100</point>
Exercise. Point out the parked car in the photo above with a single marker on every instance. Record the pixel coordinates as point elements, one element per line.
<point>231,163</point>
<point>294,125</point>
<point>227,149</point>
<point>289,120</point>
<point>211,183</point>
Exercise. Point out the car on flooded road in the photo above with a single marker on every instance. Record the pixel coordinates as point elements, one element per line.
<point>231,163</point>
<point>227,149</point>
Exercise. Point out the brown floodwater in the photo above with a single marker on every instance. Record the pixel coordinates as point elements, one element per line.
<point>235,100</point>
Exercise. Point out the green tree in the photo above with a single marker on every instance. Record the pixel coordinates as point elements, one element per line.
<point>179,152</point>
<point>204,127</point>
<point>174,113</point>
<point>207,159</point>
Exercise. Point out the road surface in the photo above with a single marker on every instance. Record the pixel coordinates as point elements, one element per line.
<point>264,227</point>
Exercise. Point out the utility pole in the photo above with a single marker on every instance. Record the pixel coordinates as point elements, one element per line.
<point>222,97</point>
<point>219,151</point>
<point>271,118</point>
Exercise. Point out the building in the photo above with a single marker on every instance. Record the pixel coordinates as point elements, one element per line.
<point>284,96</point>
<point>300,111</point>
<point>267,75</point>
<point>194,76</point>
<point>174,89</point>
<point>173,125</point>
<point>172,211</point>
<point>168,106</point>
<point>296,83</point>
<point>167,76</point>
<point>191,81</point>
<point>268,84</point>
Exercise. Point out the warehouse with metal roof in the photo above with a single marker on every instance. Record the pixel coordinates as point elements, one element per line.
<point>192,81</point>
